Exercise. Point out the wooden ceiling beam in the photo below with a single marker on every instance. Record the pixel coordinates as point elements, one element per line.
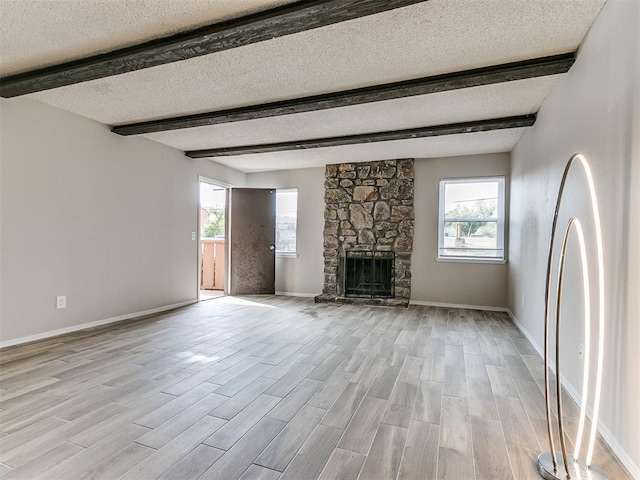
<point>508,72</point>
<point>433,131</point>
<point>276,22</point>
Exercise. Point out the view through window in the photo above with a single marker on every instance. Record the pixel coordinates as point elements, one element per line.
<point>471,219</point>
<point>286,220</point>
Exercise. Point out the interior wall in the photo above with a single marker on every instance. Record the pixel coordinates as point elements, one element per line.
<point>103,219</point>
<point>462,283</point>
<point>303,274</point>
<point>595,110</point>
<point>432,282</point>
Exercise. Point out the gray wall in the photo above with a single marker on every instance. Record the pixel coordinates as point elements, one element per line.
<point>433,282</point>
<point>302,275</point>
<point>103,219</point>
<point>465,283</point>
<point>594,109</point>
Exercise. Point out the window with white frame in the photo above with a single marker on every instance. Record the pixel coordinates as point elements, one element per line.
<point>471,221</point>
<point>286,220</point>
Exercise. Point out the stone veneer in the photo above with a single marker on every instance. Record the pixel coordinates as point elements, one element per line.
<point>369,206</point>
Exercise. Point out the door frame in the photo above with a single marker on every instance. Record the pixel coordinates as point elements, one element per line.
<point>227,187</point>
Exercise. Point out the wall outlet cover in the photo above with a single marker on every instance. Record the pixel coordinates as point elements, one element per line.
<point>61,302</point>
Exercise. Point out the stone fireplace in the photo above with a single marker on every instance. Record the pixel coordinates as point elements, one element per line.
<point>369,214</point>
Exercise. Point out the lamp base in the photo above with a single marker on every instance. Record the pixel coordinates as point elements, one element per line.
<point>577,470</point>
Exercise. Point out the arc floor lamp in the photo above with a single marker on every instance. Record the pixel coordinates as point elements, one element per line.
<point>554,465</point>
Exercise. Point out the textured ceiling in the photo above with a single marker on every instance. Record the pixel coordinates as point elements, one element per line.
<point>470,104</point>
<point>429,38</point>
<point>38,33</point>
<point>433,147</point>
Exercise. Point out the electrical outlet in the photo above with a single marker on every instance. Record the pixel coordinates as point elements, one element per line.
<point>193,235</point>
<point>581,352</point>
<point>61,302</point>
<point>523,300</point>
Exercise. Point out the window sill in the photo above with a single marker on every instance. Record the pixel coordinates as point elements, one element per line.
<point>286,255</point>
<point>492,261</point>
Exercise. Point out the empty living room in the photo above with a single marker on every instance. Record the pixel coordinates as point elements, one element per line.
<point>319,239</point>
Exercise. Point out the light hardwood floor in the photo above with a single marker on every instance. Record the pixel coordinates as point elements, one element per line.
<point>274,387</point>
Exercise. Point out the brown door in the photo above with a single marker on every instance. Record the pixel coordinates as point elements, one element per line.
<point>252,240</point>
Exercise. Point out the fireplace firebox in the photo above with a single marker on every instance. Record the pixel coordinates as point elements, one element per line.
<point>368,274</point>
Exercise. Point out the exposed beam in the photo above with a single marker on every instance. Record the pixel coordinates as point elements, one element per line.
<point>507,72</point>
<point>434,131</point>
<point>277,22</point>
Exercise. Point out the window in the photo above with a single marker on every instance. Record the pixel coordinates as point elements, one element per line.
<point>286,221</point>
<point>471,224</point>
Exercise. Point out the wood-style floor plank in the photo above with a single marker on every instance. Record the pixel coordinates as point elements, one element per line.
<point>171,453</point>
<point>235,428</point>
<point>292,403</point>
<point>92,435</point>
<point>238,458</point>
<point>174,407</point>
<point>383,460</point>
<point>42,463</point>
<point>49,439</point>
<point>255,472</point>
<point>285,446</point>
<point>523,463</point>
<point>364,425</point>
<point>194,464</point>
<point>383,384</point>
<point>234,405</point>
<point>420,457</point>
<point>280,387</point>
<point>454,464</point>
<point>342,465</point>
<point>489,450</point>
<point>87,459</point>
<point>517,427</point>
<point>118,463</point>
<point>368,371</point>
<point>455,431</point>
<point>428,402</point>
<point>167,431</point>
<point>345,406</point>
<point>288,382</point>
<point>501,382</point>
<point>481,400</point>
<point>313,456</point>
<point>331,390</point>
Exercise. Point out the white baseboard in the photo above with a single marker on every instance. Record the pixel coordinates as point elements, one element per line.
<point>458,305</point>
<point>296,294</point>
<point>84,326</point>
<point>527,335</point>
<point>604,432</point>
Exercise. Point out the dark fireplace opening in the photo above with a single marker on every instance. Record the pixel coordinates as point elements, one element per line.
<point>367,274</point>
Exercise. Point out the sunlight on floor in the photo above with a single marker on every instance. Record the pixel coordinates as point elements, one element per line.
<point>209,294</point>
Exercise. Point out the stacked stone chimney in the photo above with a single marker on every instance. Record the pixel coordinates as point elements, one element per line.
<point>369,207</point>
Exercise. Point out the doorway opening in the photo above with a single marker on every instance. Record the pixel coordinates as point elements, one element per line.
<point>212,244</point>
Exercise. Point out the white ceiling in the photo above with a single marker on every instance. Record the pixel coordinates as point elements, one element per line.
<point>501,100</point>
<point>431,147</point>
<point>433,37</point>
<point>38,33</point>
